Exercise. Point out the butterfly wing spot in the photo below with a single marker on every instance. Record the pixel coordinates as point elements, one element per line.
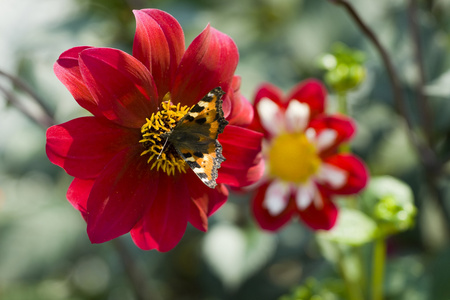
<point>199,107</point>
<point>200,121</point>
<point>198,154</point>
<point>188,157</point>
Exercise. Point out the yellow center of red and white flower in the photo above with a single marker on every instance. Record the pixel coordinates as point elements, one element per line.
<point>292,158</point>
<point>154,132</point>
<point>292,155</point>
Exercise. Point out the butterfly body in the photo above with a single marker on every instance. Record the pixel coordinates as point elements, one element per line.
<point>195,137</point>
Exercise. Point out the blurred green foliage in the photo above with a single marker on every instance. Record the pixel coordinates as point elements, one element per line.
<point>44,251</point>
<point>327,289</point>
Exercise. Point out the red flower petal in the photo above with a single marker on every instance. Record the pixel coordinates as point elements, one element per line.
<point>78,194</point>
<point>238,111</point>
<point>241,149</point>
<point>165,221</point>
<point>356,170</point>
<point>311,92</point>
<point>344,127</point>
<point>264,218</point>
<point>322,215</point>
<point>122,86</point>
<point>67,70</point>
<point>268,90</point>
<point>209,62</point>
<point>84,146</point>
<point>159,45</point>
<point>205,201</point>
<point>120,196</point>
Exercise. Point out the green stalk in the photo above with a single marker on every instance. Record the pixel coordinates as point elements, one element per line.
<point>342,103</point>
<point>350,269</point>
<point>351,263</point>
<point>342,108</point>
<point>379,259</point>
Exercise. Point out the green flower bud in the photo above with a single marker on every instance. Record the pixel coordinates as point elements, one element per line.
<point>345,69</point>
<point>389,202</point>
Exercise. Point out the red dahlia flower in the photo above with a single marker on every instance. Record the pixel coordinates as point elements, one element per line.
<point>304,169</point>
<point>126,180</point>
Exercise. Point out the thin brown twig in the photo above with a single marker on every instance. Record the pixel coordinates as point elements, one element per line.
<point>446,151</point>
<point>422,101</point>
<point>425,152</point>
<point>43,121</point>
<point>399,100</point>
<point>439,198</point>
<point>26,88</point>
<point>138,279</point>
<point>432,172</point>
<point>432,165</point>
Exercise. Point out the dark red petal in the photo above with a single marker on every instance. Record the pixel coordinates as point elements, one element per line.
<point>120,196</point>
<point>84,146</point>
<point>209,62</point>
<point>270,91</point>
<point>159,45</point>
<point>344,126</point>
<point>165,222</point>
<point>205,201</point>
<point>358,175</point>
<point>78,194</point>
<point>67,70</point>
<point>311,92</point>
<point>238,110</point>
<point>264,218</point>
<point>242,151</point>
<point>320,217</point>
<point>122,86</point>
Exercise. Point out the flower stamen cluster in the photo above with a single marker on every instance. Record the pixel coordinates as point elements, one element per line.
<point>154,138</point>
<point>293,158</point>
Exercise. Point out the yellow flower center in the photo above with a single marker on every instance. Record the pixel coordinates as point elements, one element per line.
<point>154,138</point>
<point>293,158</point>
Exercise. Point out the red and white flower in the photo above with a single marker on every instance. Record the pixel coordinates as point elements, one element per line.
<point>116,187</point>
<point>304,168</point>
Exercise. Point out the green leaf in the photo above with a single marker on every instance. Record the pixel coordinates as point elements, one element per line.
<point>352,228</point>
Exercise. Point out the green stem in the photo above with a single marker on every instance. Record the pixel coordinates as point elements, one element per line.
<point>351,264</point>
<point>342,103</point>
<point>342,108</point>
<point>350,269</point>
<point>379,258</point>
<point>362,270</point>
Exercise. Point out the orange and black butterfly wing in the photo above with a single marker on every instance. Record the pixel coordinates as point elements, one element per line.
<point>195,137</point>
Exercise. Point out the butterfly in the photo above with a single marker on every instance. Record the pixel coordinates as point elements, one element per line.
<point>195,137</point>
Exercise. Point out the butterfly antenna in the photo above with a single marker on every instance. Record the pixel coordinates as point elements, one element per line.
<point>163,147</point>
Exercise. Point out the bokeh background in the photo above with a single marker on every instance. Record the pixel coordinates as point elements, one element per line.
<point>45,253</point>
